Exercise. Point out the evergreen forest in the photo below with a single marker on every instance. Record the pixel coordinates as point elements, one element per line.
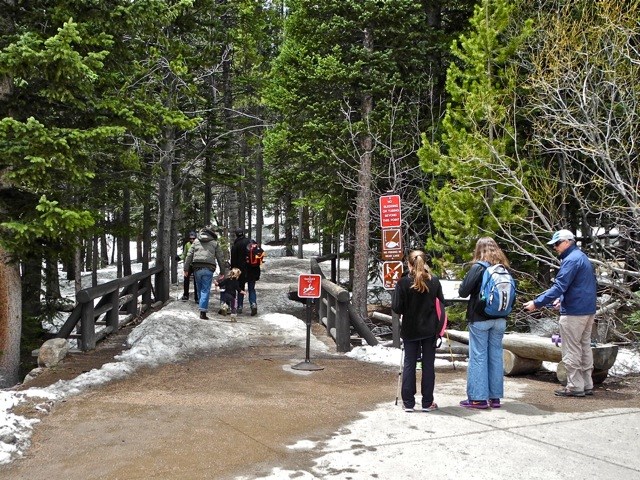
<point>141,120</point>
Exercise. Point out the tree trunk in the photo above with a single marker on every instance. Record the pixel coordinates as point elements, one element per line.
<point>363,202</point>
<point>165,214</point>
<point>300,227</point>
<point>31,287</point>
<point>259,198</point>
<point>10,321</point>
<point>126,238</point>
<point>52,281</point>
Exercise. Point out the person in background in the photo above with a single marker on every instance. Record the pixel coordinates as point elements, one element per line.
<point>185,250</point>
<point>575,292</point>
<point>414,298</point>
<point>250,273</point>
<point>231,286</point>
<point>202,257</point>
<point>485,374</point>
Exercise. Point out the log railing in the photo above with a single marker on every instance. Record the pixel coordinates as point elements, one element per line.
<point>118,305</point>
<point>335,310</point>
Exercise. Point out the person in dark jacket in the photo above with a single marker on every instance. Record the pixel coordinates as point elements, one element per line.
<point>250,273</point>
<point>202,257</point>
<point>414,298</point>
<point>575,292</point>
<point>485,374</point>
<point>185,252</point>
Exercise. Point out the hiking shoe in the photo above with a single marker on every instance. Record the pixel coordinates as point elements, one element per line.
<point>430,408</point>
<point>203,316</point>
<point>494,402</point>
<point>565,392</point>
<point>479,404</point>
<point>254,309</point>
<point>588,392</point>
<point>239,310</point>
<point>184,298</point>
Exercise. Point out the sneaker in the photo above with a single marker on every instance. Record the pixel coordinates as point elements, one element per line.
<point>588,392</point>
<point>430,408</point>
<point>479,404</point>
<point>239,310</point>
<point>408,409</point>
<point>203,316</point>
<point>565,392</point>
<point>254,309</point>
<point>184,298</point>
<point>494,402</point>
<point>418,365</point>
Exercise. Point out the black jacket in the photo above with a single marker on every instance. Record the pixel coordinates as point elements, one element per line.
<point>419,319</point>
<point>249,273</point>
<point>471,286</point>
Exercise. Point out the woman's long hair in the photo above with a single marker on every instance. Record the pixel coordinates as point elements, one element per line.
<point>420,270</point>
<point>488,250</point>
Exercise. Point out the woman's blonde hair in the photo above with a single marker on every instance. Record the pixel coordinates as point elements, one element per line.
<point>421,273</point>
<point>234,273</point>
<point>488,250</point>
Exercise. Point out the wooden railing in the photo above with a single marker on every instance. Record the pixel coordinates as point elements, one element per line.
<point>118,303</point>
<point>335,311</point>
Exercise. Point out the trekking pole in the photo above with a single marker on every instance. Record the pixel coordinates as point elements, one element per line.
<point>400,372</point>
<point>450,349</point>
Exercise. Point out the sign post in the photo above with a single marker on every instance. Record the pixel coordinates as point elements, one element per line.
<point>309,287</point>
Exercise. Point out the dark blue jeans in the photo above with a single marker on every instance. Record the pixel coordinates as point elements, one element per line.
<point>253,298</point>
<point>412,350</point>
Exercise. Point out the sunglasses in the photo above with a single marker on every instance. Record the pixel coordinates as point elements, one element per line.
<point>558,243</point>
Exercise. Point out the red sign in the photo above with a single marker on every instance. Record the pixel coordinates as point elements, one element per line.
<point>391,273</point>
<point>309,285</point>
<point>390,213</point>
<point>392,244</point>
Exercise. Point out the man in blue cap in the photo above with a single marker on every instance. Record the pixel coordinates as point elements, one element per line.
<point>574,291</point>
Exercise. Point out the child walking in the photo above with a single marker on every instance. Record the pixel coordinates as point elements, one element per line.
<point>231,285</point>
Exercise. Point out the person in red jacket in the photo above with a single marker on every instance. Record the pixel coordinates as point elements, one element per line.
<point>414,298</point>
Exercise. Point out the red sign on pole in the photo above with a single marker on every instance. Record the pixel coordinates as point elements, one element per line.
<point>309,285</point>
<point>391,273</point>
<point>392,244</point>
<point>390,213</point>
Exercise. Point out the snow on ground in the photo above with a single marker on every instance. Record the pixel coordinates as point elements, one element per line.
<point>176,333</point>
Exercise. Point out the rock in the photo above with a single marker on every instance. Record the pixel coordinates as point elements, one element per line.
<point>33,374</point>
<point>8,438</point>
<point>52,352</point>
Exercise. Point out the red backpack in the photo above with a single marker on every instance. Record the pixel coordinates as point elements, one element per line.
<point>255,254</point>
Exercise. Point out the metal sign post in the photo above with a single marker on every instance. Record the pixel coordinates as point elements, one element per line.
<point>309,287</point>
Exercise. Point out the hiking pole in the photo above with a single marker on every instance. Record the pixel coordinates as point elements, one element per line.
<point>450,349</point>
<point>400,372</point>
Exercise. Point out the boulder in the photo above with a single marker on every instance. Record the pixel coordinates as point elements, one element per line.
<point>52,352</point>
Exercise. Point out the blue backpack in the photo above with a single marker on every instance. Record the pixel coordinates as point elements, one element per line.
<point>497,291</point>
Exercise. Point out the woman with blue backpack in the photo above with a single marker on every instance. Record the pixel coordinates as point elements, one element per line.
<point>491,292</point>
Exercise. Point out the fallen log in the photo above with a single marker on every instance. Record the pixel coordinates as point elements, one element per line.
<point>541,349</point>
<point>517,365</point>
